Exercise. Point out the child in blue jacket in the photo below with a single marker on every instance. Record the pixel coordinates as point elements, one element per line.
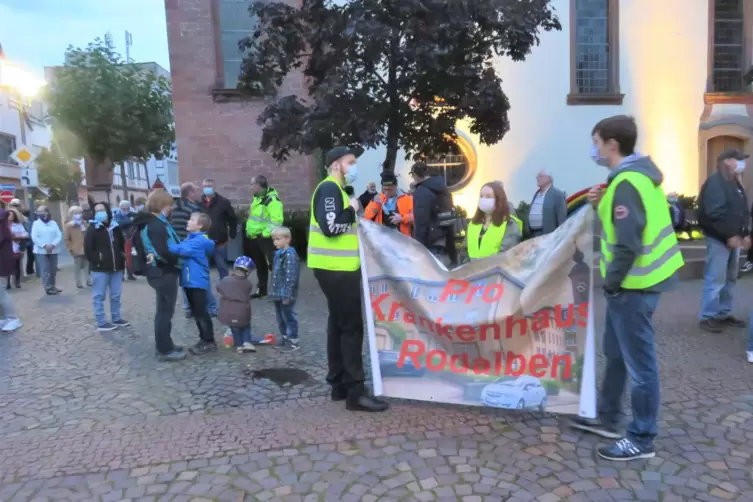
<point>195,252</point>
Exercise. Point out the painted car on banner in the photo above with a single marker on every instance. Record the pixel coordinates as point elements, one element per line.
<point>524,392</point>
<point>388,365</point>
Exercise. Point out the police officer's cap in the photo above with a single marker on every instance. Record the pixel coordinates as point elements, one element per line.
<point>339,152</point>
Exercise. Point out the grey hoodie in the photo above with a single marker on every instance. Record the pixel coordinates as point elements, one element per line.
<point>629,228</point>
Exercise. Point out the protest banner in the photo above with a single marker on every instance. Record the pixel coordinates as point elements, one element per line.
<point>514,330</point>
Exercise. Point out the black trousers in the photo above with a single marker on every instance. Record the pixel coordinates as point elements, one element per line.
<point>262,251</point>
<point>29,260</point>
<point>165,285</point>
<point>344,329</point>
<point>197,300</point>
<point>16,271</point>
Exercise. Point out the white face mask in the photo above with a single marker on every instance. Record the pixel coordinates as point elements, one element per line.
<point>740,166</point>
<point>486,205</point>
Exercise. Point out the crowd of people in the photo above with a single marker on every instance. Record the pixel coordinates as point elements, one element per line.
<point>172,244</point>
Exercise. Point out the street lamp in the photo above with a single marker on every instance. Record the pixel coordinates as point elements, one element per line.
<point>22,83</point>
<point>17,79</point>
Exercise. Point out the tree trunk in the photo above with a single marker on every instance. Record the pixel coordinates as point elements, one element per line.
<point>390,158</point>
<point>394,125</point>
<point>123,181</point>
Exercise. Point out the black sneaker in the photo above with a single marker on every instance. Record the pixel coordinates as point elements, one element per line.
<point>51,292</point>
<point>731,321</point>
<point>107,327</point>
<point>259,294</point>
<point>711,325</point>
<point>202,348</point>
<point>121,323</point>
<point>291,346</point>
<point>595,426</point>
<point>366,403</point>
<point>175,355</point>
<point>625,449</point>
<point>747,267</point>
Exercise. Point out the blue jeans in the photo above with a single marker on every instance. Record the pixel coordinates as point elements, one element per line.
<point>719,280</point>
<point>630,349</point>
<point>241,336</point>
<point>101,281</point>
<point>287,319</point>
<point>220,261</point>
<point>211,301</point>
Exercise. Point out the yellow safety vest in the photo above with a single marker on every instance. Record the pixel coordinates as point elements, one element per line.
<point>661,256</point>
<point>339,253</point>
<point>490,242</point>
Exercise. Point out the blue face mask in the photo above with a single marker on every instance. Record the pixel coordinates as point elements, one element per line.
<point>351,175</point>
<point>208,191</point>
<point>602,161</point>
<point>100,216</point>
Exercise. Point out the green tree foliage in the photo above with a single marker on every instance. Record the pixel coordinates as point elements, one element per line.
<point>58,173</point>
<point>109,111</point>
<point>399,73</point>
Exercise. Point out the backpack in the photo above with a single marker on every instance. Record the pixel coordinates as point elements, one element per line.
<point>135,254</point>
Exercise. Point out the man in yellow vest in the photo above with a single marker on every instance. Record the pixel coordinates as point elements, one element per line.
<point>265,214</point>
<point>639,260</point>
<point>333,255</point>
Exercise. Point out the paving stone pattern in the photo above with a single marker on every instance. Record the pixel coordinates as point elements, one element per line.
<point>94,417</point>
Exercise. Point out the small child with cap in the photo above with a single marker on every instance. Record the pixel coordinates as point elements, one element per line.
<point>235,304</point>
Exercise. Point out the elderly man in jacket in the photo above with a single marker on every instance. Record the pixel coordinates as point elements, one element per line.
<point>548,207</point>
<point>723,216</point>
<point>265,214</point>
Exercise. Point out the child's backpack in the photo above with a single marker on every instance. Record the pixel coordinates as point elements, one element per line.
<point>135,254</point>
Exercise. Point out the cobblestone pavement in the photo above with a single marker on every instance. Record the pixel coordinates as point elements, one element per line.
<point>89,416</point>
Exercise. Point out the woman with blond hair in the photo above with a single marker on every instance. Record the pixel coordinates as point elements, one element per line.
<point>163,271</point>
<point>74,229</point>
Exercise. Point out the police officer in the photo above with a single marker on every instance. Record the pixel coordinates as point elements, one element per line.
<point>265,214</point>
<point>333,255</point>
<point>640,258</point>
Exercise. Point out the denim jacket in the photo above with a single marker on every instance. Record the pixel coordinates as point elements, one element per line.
<point>286,271</point>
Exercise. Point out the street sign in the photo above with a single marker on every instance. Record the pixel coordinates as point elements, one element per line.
<point>7,196</point>
<point>29,177</point>
<point>7,186</point>
<point>23,156</point>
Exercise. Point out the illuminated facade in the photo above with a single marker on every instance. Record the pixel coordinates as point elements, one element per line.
<point>676,66</point>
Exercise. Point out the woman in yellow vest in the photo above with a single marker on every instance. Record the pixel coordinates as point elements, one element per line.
<point>493,228</point>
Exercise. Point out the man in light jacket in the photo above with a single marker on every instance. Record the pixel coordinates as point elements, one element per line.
<point>548,207</point>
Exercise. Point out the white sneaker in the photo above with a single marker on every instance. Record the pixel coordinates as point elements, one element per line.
<point>12,325</point>
<point>750,356</point>
<point>247,347</point>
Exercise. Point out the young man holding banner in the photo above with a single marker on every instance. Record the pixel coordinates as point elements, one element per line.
<point>334,256</point>
<point>639,260</point>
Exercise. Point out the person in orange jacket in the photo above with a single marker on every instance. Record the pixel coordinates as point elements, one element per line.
<point>391,208</point>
